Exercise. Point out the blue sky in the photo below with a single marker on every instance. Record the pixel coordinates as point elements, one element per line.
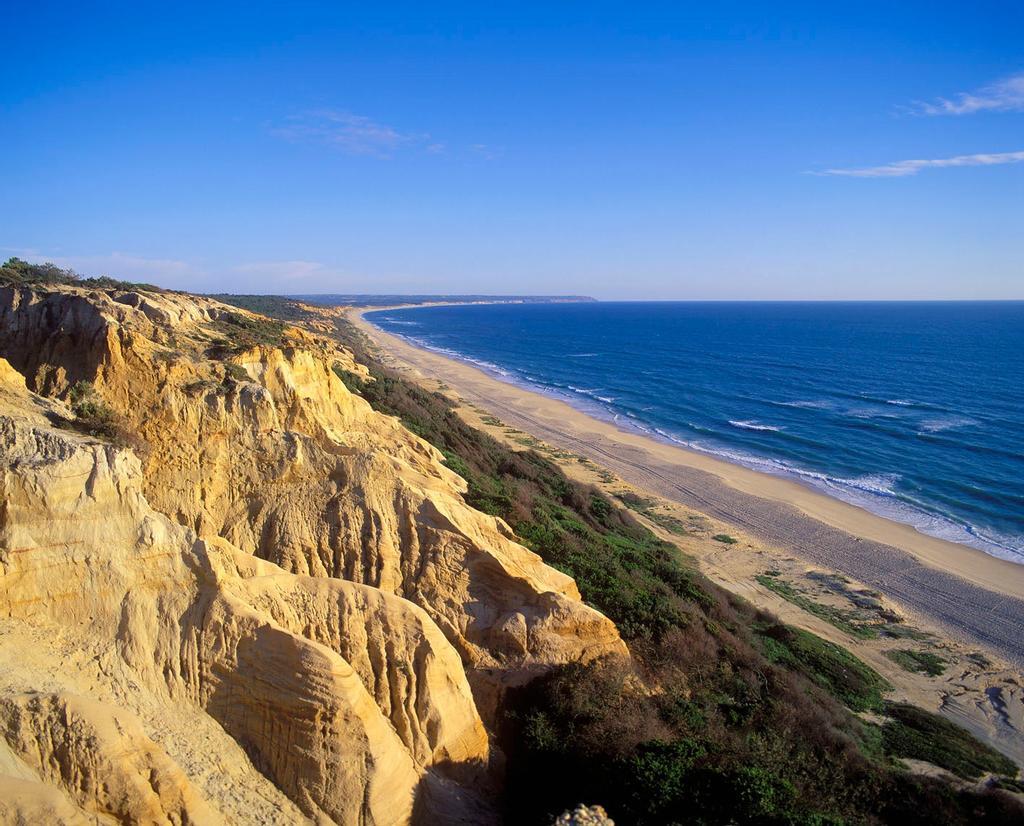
<point>622,150</point>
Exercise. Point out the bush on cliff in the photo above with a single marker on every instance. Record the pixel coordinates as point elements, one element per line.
<point>95,417</point>
<point>243,332</point>
<point>15,272</point>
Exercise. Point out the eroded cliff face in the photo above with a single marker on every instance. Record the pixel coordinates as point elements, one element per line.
<point>275,607</point>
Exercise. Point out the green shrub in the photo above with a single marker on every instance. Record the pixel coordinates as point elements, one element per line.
<point>1010,784</point>
<point>661,775</point>
<point>748,793</point>
<point>921,662</point>
<point>15,271</point>
<point>199,386</point>
<point>95,417</point>
<point>455,463</point>
<point>634,502</point>
<point>235,372</point>
<point>600,507</point>
<point>21,273</point>
<point>274,306</point>
<point>647,508</point>
<point>725,538</point>
<point>848,621</point>
<point>353,381</point>
<point>243,332</point>
<point>917,734</point>
<point>835,669</point>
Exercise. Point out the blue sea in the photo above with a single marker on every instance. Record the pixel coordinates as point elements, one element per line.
<point>912,410</point>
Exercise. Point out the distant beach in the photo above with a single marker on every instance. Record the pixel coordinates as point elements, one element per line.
<point>973,596</point>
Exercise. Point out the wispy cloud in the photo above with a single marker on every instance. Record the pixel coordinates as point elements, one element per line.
<point>352,134</point>
<point>485,151</point>
<point>1006,95</point>
<point>902,169</point>
<point>120,265</point>
<point>276,271</point>
<point>271,275</point>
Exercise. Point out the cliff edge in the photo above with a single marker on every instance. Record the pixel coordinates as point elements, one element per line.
<point>231,591</point>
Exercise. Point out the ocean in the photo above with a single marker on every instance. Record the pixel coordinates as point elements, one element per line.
<point>912,410</point>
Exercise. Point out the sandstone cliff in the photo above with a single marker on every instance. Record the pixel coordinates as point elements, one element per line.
<point>270,604</point>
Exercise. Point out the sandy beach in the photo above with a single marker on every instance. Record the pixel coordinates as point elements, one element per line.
<point>972,597</point>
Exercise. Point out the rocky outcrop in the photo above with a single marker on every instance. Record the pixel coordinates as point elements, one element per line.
<point>290,466</point>
<point>101,758</point>
<point>277,570</point>
<point>585,816</point>
<point>342,695</point>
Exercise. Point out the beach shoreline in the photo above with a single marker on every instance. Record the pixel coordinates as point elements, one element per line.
<point>972,596</point>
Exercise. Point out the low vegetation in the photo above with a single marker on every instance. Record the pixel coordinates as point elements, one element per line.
<point>235,373</point>
<point>916,734</point>
<point>921,662</point>
<point>649,509</point>
<point>848,621</point>
<point>243,332</point>
<point>835,669</point>
<point>268,305</point>
<point>16,272</point>
<point>96,418</point>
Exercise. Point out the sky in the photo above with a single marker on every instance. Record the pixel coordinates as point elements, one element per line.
<point>620,150</point>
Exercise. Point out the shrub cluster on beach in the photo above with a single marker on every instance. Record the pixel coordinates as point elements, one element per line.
<point>725,714</point>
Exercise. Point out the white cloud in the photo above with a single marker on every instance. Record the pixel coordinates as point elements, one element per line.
<point>902,169</point>
<point>120,265</point>
<point>273,276</point>
<point>282,270</point>
<point>485,151</point>
<point>352,134</point>
<point>360,135</point>
<point>1005,95</point>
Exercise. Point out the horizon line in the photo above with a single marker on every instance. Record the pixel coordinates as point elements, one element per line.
<point>584,299</point>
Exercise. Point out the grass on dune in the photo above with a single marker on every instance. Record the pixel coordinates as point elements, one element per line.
<point>914,733</point>
<point>921,662</point>
<point>846,621</point>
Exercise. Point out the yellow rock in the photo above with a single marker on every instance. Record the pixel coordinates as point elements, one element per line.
<point>281,573</point>
<point>100,758</point>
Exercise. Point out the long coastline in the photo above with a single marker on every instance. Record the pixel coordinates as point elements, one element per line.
<point>975,598</point>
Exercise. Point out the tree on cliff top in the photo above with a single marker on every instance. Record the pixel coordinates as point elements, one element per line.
<point>17,272</point>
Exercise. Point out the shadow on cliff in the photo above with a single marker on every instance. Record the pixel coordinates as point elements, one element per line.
<point>442,800</point>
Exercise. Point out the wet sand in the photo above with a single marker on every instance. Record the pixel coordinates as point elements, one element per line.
<point>973,597</point>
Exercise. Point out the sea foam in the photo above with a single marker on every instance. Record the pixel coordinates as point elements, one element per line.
<point>747,425</point>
